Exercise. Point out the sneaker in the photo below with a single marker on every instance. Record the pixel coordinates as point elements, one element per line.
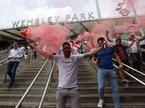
<point>101,103</point>
<point>126,85</point>
<point>11,84</point>
<point>126,81</point>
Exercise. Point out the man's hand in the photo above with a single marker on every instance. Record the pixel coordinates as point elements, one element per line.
<point>120,66</point>
<point>107,32</point>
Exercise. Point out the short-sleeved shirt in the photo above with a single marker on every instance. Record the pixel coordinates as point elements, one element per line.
<point>134,48</point>
<point>16,53</point>
<point>121,51</point>
<point>68,69</point>
<point>105,58</point>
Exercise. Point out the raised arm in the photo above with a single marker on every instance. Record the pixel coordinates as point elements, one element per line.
<point>107,35</point>
<point>93,51</point>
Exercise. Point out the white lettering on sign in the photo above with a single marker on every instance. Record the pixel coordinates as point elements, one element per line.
<point>54,19</point>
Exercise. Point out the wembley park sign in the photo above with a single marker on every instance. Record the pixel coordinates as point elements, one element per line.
<point>55,19</point>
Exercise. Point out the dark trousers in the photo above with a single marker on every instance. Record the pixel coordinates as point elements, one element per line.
<point>12,67</point>
<point>136,60</point>
<point>127,63</point>
<point>143,53</point>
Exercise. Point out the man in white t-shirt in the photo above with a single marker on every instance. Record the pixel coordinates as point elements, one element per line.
<point>67,79</point>
<point>135,52</point>
<point>14,57</point>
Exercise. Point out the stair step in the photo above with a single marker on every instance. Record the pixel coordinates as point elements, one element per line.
<point>83,105</point>
<point>132,97</point>
<point>124,97</point>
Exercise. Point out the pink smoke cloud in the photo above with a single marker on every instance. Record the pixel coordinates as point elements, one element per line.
<point>48,37</point>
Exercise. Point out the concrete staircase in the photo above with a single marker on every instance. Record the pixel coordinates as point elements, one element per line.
<point>25,74</point>
<point>133,97</point>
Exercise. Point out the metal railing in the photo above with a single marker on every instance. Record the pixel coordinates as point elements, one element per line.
<point>4,63</point>
<point>3,54</point>
<point>30,86</point>
<point>46,87</point>
<point>143,83</point>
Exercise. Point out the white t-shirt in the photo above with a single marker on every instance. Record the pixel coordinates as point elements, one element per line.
<point>16,53</point>
<point>133,48</point>
<point>68,70</point>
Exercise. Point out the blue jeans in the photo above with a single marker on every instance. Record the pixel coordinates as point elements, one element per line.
<point>109,74</point>
<point>12,67</point>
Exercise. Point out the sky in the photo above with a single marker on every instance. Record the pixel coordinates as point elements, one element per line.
<point>12,10</point>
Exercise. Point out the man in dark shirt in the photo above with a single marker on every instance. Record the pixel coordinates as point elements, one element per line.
<point>106,70</point>
<point>120,49</point>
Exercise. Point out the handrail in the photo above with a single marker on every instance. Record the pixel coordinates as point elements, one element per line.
<point>132,68</point>
<point>3,54</point>
<point>28,89</point>
<point>46,86</point>
<point>143,83</point>
<point>3,61</point>
<point>132,76</point>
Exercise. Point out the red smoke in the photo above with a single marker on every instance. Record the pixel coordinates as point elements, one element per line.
<point>47,37</point>
<point>91,38</point>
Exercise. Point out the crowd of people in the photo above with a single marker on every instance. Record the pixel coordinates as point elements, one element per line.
<point>71,52</point>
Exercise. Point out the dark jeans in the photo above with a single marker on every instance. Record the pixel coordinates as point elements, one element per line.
<point>12,67</point>
<point>143,53</point>
<point>136,60</point>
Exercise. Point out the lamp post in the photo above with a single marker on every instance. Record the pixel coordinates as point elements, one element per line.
<point>98,9</point>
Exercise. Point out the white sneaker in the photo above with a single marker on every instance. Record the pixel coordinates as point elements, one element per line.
<point>126,85</point>
<point>126,81</point>
<point>101,103</point>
